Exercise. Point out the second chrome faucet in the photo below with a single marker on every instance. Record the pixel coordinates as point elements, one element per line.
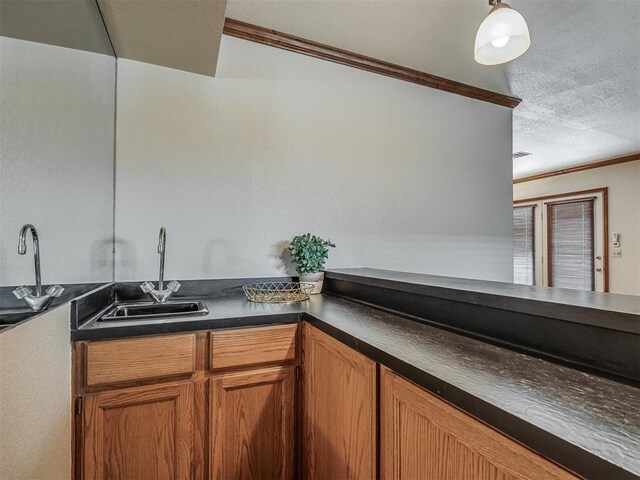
<point>39,301</point>
<point>161,294</point>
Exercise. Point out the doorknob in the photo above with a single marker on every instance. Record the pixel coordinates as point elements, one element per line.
<point>598,257</point>
<point>599,269</point>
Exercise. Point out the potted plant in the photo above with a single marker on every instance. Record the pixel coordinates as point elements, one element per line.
<point>310,253</point>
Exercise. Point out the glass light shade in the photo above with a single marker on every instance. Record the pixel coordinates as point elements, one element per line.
<point>503,35</point>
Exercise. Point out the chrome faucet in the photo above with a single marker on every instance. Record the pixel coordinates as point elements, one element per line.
<point>161,294</point>
<point>37,302</point>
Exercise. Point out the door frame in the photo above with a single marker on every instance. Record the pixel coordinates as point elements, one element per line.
<point>603,192</point>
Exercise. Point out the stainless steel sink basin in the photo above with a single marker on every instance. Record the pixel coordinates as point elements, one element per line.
<point>150,310</point>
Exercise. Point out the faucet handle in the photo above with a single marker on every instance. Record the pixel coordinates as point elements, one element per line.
<point>22,292</point>
<point>146,287</point>
<point>55,290</point>
<point>173,286</point>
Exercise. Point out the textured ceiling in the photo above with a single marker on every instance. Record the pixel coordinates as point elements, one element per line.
<point>579,81</point>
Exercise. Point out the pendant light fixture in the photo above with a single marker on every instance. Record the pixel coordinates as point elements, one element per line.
<point>503,35</point>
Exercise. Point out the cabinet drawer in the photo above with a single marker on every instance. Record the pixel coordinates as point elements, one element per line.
<point>130,359</point>
<point>252,346</point>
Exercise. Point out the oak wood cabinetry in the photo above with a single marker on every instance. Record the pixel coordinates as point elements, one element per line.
<point>224,404</point>
<point>142,433</point>
<point>244,347</point>
<point>423,437</point>
<point>200,405</point>
<point>252,412</point>
<point>131,359</point>
<point>339,409</point>
<point>252,424</point>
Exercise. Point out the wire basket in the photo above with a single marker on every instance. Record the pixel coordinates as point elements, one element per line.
<point>278,292</point>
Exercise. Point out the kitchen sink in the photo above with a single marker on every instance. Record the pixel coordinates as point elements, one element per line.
<point>150,310</point>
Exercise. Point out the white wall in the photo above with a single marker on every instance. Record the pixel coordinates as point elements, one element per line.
<point>35,399</point>
<point>397,175</point>
<point>56,161</point>
<point>623,182</point>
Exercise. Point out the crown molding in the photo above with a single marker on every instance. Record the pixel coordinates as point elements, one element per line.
<point>273,38</point>
<point>580,168</point>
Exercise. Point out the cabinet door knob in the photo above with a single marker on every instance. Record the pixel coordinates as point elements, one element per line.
<point>599,269</point>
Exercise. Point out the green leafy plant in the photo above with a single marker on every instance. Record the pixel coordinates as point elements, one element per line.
<point>309,253</point>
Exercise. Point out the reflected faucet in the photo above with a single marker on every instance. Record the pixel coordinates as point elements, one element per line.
<point>37,302</point>
<point>161,294</point>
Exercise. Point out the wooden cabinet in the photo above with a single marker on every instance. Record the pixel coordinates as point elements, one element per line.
<point>339,409</point>
<point>142,433</point>
<point>252,424</point>
<point>223,405</point>
<point>423,437</point>
<point>141,358</point>
<point>199,405</point>
<point>245,347</point>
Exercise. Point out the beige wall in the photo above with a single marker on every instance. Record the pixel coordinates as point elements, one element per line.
<point>397,175</point>
<point>56,161</point>
<point>623,181</point>
<point>35,399</point>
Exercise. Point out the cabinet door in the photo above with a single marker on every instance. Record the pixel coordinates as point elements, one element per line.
<point>141,433</point>
<point>423,437</point>
<point>252,424</point>
<point>339,409</point>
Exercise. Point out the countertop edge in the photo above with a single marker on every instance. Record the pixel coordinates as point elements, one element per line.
<point>124,331</point>
<point>579,314</point>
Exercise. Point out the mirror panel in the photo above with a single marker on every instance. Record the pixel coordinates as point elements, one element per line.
<point>73,24</point>
<point>57,104</point>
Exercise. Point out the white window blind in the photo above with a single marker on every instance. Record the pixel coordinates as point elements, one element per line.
<point>571,244</point>
<point>523,245</point>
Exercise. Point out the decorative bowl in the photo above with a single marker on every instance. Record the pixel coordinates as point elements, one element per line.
<point>278,292</point>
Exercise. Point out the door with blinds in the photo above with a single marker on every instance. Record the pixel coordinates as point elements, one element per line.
<point>524,259</point>
<point>560,241</point>
<point>571,244</point>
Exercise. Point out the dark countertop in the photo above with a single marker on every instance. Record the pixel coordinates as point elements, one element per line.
<point>224,312</point>
<point>587,423</point>
<point>574,418</point>
<point>613,311</point>
<point>14,311</point>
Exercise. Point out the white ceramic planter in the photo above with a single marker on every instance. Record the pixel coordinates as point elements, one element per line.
<point>316,278</point>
